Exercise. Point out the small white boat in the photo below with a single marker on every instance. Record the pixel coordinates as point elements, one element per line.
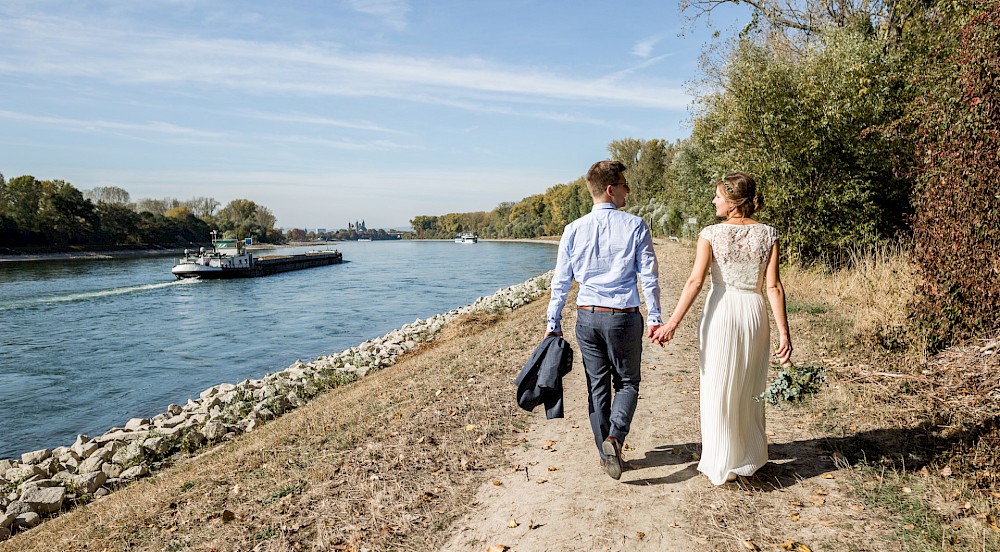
<point>467,237</point>
<point>228,259</point>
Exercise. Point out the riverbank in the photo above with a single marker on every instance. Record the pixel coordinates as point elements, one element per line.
<point>432,453</point>
<point>88,253</point>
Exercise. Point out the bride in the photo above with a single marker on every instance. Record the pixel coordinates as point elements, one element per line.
<point>734,334</point>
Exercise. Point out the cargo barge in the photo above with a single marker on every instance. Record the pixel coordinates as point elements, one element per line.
<point>229,258</point>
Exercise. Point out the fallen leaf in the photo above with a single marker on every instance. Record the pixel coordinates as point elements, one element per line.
<point>497,483</point>
<point>788,545</point>
<point>640,535</point>
<point>695,456</point>
<point>822,492</point>
<point>675,525</point>
<point>470,427</point>
<point>967,506</point>
<point>548,444</point>
<point>553,468</point>
<point>749,545</point>
<point>512,523</point>
<point>802,548</point>
<point>797,504</point>
<point>678,380</point>
<point>541,481</point>
<point>909,526</point>
<point>907,490</point>
<point>827,476</point>
<point>498,548</point>
<point>796,516</point>
<point>818,500</point>
<point>857,507</point>
<point>946,472</point>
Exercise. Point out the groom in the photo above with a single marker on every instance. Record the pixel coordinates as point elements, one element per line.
<point>608,252</point>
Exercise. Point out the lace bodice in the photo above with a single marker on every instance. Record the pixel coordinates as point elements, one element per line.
<point>740,254</point>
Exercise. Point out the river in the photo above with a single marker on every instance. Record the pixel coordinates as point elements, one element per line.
<point>86,345</point>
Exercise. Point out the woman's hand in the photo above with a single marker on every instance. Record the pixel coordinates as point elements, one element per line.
<point>784,351</point>
<point>664,333</point>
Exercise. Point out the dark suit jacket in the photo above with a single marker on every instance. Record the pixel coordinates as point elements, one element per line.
<point>540,381</point>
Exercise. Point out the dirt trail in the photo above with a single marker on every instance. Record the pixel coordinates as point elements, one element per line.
<point>555,496</point>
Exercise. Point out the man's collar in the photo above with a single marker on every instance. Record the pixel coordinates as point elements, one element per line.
<point>599,206</point>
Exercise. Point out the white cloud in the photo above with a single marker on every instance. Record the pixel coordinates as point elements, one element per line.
<point>60,48</point>
<point>392,12</point>
<point>644,48</point>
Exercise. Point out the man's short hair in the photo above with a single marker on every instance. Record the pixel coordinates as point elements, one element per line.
<point>603,174</point>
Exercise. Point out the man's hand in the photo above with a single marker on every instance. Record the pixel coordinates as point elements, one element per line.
<point>553,333</point>
<point>652,330</point>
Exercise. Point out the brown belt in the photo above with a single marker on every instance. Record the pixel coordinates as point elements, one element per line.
<point>608,309</point>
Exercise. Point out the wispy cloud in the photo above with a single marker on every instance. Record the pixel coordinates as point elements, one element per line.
<point>324,121</point>
<point>644,48</point>
<point>55,47</point>
<point>393,12</point>
<point>148,131</point>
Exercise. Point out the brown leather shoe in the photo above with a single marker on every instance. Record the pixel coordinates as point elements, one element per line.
<point>613,457</point>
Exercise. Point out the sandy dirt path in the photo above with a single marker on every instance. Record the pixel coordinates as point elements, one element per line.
<point>555,496</point>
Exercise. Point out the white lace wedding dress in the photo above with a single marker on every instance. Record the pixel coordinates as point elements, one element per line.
<point>734,338</point>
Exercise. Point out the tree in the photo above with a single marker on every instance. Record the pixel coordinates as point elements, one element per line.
<point>645,162</point>
<point>65,216</point>
<point>202,207</point>
<point>108,194</point>
<point>22,196</point>
<point>808,125</point>
<point>243,218</point>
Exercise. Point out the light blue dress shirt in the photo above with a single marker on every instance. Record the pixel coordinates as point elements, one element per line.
<point>609,252</point>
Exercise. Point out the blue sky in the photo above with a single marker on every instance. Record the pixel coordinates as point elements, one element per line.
<point>333,111</point>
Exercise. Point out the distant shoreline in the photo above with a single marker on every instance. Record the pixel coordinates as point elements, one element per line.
<point>132,252</point>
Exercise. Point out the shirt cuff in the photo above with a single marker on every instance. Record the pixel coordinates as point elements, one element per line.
<point>553,326</point>
<point>654,321</point>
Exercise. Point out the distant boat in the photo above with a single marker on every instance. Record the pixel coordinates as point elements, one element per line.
<point>230,259</point>
<point>467,237</point>
<point>364,239</point>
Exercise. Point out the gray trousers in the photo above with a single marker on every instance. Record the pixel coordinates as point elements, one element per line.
<point>611,345</point>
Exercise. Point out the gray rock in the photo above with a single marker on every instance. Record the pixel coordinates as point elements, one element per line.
<point>173,422</point>
<point>130,454</point>
<point>6,520</point>
<point>195,439</point>
<point>101,492</point>
<point>90,482</point>
<point>135,472</point>
<point>94,463</point>
<point>174,409</point>
<point>214,431</point>
<point>44,500</point>
<point>27,520</point>
<point>137,423</point>
<point>51,466</point>
<point>112,471</point>
<point>6,465</point>
<point>35,457</point>
<point>156,445</point>
<point>17,508</point>
<point>23,473</point>
<point>85,449</point>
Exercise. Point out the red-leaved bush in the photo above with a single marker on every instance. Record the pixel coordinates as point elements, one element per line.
<point>956,204</point>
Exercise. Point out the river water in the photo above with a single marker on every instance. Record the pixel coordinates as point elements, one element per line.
<point>86,345</point>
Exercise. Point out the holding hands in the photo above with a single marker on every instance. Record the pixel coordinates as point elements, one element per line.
<point>661,335</point>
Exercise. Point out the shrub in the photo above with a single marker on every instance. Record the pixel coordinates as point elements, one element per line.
<point>957,204</point>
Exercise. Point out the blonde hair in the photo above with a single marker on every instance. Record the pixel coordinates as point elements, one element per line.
<point>741,190</point>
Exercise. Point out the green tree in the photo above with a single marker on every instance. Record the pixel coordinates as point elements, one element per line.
<point>242,218</point>
<point>806,123</point>
<point>646,166</point>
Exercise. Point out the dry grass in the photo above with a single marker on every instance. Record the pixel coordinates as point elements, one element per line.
<point>386,463</point>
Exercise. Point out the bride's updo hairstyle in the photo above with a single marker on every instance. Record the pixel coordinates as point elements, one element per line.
<point>741,190</point>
